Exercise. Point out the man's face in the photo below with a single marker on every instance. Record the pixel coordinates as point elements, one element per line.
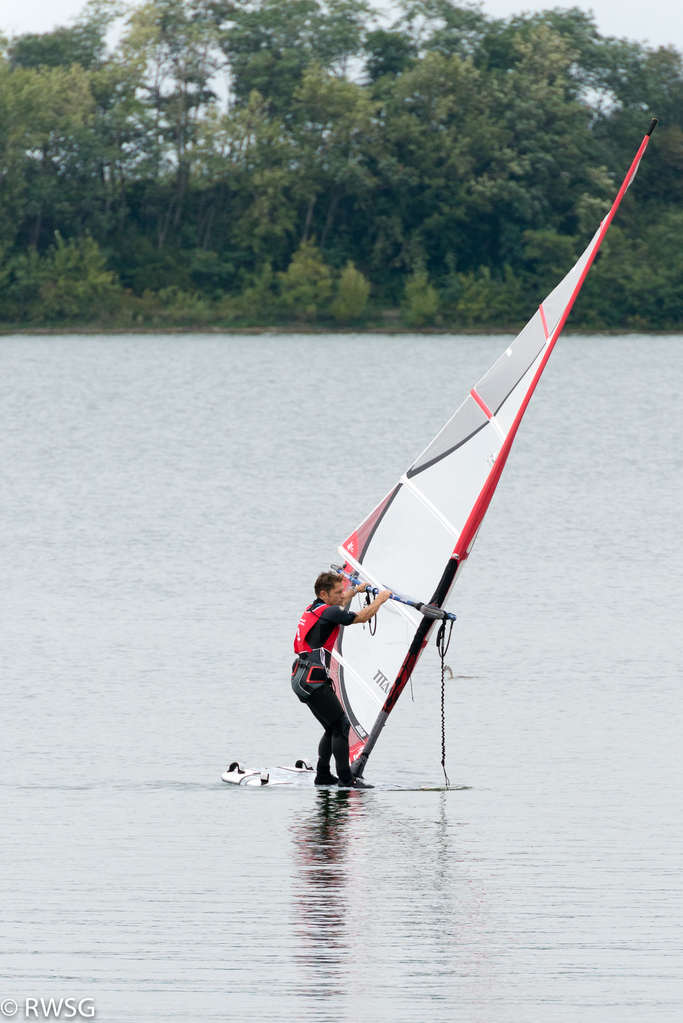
<point>335,595</point>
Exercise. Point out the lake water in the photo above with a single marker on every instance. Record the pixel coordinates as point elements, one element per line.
<point>166,504</point>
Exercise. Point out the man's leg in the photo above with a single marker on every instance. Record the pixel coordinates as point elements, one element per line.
<point>323,774</point>
<point>340,748</point>
<point>330,713</point>
<point>327,709</point>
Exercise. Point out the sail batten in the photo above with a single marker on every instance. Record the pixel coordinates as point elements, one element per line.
<point>421,496</point>
<point>410,541</point>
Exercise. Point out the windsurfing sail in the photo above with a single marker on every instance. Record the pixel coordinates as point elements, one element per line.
<point>419,536</point>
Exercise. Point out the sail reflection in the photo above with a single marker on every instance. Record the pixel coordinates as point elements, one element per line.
<point>383,903</point>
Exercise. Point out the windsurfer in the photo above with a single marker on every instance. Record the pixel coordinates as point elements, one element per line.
<point>315,637</point>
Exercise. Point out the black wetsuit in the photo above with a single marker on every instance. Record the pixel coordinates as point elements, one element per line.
<point>323,700</point>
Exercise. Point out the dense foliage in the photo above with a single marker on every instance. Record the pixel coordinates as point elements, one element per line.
<point>445,170</point>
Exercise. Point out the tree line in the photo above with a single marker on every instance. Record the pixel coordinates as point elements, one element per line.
<point>271,161</point>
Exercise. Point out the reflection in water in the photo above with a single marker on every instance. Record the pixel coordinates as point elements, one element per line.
<point>321,922</point>
<point>383,902</point>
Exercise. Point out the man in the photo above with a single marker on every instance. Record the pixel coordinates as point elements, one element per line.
<point>315,637</point>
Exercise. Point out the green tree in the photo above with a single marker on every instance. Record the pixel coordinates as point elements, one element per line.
<point>177,43</point>
<point>76,284</point>
<point>20,100</point>
<point>251,156</point>
<point>446,27</point>
<point>306,286</point>
<point>332,133</point>
<point>84,43</point>
<point>549,256</point>
<point>270,43</point>
<point>440,157</point>
<point>47,141</point>
<point>479,299</point>
<point>388,53</point>
<point>259,302</point>
<point>352,295</point>
<point>69,282</point>
<point>421,303</point>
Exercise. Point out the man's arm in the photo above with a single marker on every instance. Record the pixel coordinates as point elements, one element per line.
<point>370,610</point>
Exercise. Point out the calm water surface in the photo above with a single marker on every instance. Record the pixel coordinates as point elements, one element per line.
<point>166,502</point>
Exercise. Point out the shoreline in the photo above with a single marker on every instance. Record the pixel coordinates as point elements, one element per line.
<point>313,330</point>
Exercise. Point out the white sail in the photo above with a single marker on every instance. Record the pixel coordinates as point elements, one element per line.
<point>417,539</point>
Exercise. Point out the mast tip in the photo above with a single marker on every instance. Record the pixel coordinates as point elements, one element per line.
<point>653,125</point>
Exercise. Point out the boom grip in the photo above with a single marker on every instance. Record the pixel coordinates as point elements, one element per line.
<point>435,612</point>
<point>431,611</point>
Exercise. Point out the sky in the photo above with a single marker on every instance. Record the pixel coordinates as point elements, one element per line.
<point>660,22</point>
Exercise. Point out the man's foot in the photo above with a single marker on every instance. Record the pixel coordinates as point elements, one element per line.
<point>325,778</point>
<point>356,783</point>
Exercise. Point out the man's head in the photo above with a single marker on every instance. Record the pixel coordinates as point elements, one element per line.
<point>330,587</point>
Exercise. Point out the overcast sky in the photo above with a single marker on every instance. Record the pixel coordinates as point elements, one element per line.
<point>660,22</point>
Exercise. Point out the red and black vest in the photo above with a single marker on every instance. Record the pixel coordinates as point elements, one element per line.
<point>308,619</point>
